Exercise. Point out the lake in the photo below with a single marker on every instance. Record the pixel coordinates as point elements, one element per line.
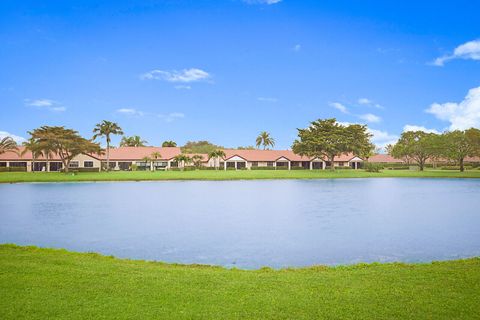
<point>250,224</point>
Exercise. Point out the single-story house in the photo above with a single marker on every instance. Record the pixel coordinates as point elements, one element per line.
<point>123,158</point>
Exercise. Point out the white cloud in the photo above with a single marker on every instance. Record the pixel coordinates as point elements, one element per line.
<point>463,115</point>
<point>17,139</point>
<point>468,51</point>
<point>410,127</point>
<point>382,138</point>
<point>171,116</point>
<point>130,112</point>
<point>297,48</point>
<point>364,101</point>
<point>267,99</point>
<point>340,107</point>
<point>183,76</point>
<point>379,138</point>
<point>370,118</point>
<point>262,1</point>
<point>368,102</point>
<point>46,104</point>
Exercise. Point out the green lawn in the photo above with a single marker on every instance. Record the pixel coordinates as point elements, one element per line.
<point>7,177</point>
<point>56,284</point>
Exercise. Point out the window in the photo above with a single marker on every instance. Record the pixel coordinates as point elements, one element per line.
<point>3,164</point>
<point>269,163</point>
<point>73,164</point>
<point>254,163</point>
<point>88,164</point>
<point>18,164</point>
<point>341,164</point>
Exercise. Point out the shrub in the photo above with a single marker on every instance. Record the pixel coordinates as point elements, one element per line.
<point>398,168</point>
<point>13,169</point>
<point>299,168</point>
<point>282,168</point>
<point>262,168</point>
<point>343,168</point>
<point>134,167</point>
<point>467,167</point>
<point>373,167</point>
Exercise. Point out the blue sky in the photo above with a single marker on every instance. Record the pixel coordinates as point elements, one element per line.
<point>225,70</point>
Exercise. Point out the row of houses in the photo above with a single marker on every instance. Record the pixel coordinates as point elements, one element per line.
<point>124,158</point>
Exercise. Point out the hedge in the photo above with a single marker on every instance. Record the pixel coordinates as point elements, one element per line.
<point>13,169</point>
<point>262,168</point>
<point>467,167</point>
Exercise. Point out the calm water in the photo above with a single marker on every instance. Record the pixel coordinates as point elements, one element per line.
<point>249,224</point>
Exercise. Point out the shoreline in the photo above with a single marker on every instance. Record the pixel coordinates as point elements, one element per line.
<point>200,175</point>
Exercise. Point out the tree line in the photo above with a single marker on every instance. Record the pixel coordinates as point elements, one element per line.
<point>323,138</point>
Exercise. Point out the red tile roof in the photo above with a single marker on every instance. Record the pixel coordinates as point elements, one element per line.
<point>116,154</point>
<point>384,158</point>
<point>137,153</point>
<point>274,155</point>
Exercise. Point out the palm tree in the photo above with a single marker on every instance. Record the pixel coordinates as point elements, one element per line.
<point>147,159</point>
<point>184,159</point>
<point>105,129</point>
<point>7,144</point>
<point>156,155</point>
<point>197,160</point>
<point>35,148</point>
<point>264,139</point>
<point>169,144</point>
<point>133,141</point>
<point>217,155</point>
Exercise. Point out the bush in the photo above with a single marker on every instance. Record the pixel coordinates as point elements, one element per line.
<point>262,168</point>
<point>467,167</point>
<point>299,168</point>
<point>343,168</point>
<point>373,167</point>
<point>282,168</point>
<point>13,169</point>
<point>209,168</point>
<point>398,168</point>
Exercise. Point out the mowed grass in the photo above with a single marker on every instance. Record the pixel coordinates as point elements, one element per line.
<point>9,177</point>
<point>56,284</point>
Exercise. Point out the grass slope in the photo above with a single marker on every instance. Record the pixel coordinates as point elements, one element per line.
<point>56,284</point>
<point>8,177</point>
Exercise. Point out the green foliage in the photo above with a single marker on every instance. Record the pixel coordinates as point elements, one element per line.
<point>372,167</point>
<point>467,167</point>
<point>199,147</point>
<point>262,168</point>
<point>169,144</point>
<point>13,169</point>
<point>417,146</point>
<point>133,167</point>
<point>7,144</point>
<point>264,139</point>
<point>133,141</point>
<point>246,148</point>
<point>66,143</point>
<point>327,139</point>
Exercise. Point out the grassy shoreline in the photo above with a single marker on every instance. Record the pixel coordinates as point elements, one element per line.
<point>14,177</point>
<point>46,283</point>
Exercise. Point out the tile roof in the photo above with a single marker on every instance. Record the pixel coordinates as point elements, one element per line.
<point>274,155</point>
<point>384,158</point>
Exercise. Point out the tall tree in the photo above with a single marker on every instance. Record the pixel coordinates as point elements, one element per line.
<point>66,143</point>
<point>169,144</point>
<point>34,146</point>
<point>328,139</point>
<point>155,155</point>
<point>457,145</point>
<point>149,160</point>
<point>264,139</point>
<point>7,144</point>
<point>133,141</point>
<point>197,160</point>
<point>216,155</point>
<point>105,129</point>
<point>418,146</point>
<point>199,147</point>
<point>183,159</point>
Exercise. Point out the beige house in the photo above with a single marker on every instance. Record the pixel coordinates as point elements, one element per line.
<point>163,158</point>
